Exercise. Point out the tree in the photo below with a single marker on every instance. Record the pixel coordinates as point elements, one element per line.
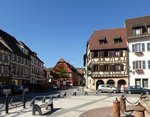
<point>59,72</point>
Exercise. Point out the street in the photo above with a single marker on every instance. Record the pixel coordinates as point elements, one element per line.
<point>71,106</point>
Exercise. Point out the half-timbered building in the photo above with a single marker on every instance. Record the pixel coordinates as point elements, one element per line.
<point>106,58</point>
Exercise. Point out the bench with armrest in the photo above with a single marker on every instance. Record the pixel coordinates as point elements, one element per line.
<point>45,104</point>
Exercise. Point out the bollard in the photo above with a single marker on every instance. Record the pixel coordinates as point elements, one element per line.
<point>116,108</point>
<point>24,102</point>
<point>122,104</point>
<point>86,93</point>
<point>139,110</point>
<point>75,94</point>
<point>59,95</point>
<point>65,94</point>
<point>6,104</point>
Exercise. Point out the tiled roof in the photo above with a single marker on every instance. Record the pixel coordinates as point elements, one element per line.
<point>61,60</point>
<point>11,41</point>
<point>109,35</point>
<point>67,66</point>
<point>80,70</point>
<point>139,21</point>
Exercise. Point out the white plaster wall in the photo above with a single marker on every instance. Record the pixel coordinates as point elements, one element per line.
<point>133,57</point>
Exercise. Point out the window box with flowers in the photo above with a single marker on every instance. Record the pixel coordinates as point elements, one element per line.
<point>139,54</point>
<point>139,71</point>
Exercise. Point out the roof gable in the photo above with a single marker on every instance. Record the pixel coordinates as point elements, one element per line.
<point>62,64</point>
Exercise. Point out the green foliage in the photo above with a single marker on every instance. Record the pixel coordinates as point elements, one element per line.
<point>60,73</point>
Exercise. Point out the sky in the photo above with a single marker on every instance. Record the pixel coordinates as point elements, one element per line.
<point>57,29</point>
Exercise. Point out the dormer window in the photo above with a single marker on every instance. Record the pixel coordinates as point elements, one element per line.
<point>138,29</point>
<point>117,39</point>
<point>102,41</point>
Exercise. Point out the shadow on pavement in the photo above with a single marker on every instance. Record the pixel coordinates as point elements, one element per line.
<point>50,112</point>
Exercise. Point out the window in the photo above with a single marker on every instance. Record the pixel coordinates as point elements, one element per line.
<point>95,68</point>
<point>137,31</point>
<point>138,64</point>
<point>101,67</point>
<point>117,53</point>
<point>148,46</point>
<point>138,47</point>
<point>101,54</point>
<point>95,54</point>
<point>148,64</point>
<point>137,82</point>
<point>5,58</point>
<point>117,41</point>
<point>111,53</point>
<point>105,53</point>
<point>145,82</point>
<point>0,69</point>
<point>6,70</point>
<point>1,57</point>
<point>106,67</point>
<point>117,67</point>
<point>102,41</point>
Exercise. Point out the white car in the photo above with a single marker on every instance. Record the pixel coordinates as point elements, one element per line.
<point>107,88</point>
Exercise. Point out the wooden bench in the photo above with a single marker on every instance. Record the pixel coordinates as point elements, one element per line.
<point>38,107</point>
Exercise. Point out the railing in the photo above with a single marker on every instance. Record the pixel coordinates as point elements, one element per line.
<point>120,107</point>
<point>9,102</point>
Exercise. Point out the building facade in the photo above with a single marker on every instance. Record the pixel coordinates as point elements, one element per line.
<point>106,58</point>
<point>18,64</point>
<point>19,61</point>
<point>37,73</point>
<point>5,53</point>
<point>138,34</point>
<point>64,74</point>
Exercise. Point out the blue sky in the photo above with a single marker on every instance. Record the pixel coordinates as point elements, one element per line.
<point>57,29</point>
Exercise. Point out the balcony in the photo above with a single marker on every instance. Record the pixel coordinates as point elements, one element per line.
<point>139,71</point>
<point>139,54</point>
<point>109,74</point>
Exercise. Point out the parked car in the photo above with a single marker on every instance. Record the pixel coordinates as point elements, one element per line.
<point>107,88</point>
<point>21,89</point>
<point>137,90</point>
<point>5,89</point>
<point>55,86</point>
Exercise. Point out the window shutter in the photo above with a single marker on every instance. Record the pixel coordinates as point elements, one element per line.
<point>143,47</point>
